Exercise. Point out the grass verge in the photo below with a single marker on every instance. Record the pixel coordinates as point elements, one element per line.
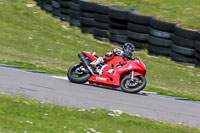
<point>24,115</point>
<point>31,39</point>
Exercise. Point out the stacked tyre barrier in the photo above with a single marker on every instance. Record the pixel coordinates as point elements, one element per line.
<point>118,20</point>
<point>47,6</point>
<point>138,29</point>
<point>64,10</point>
<point>119,24</point>
<point>41,3</point>
<point>74,13</point>
<point>101,23</point>
<point>160,37</point>
<point>197,48</point>
<point>87,16</point>
<point>183,48</point>
<point>56,8</point>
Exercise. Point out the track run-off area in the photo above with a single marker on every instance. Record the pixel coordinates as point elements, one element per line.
<point>58,90</point>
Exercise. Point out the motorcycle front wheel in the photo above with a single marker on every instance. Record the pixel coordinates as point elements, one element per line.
<point>129,86</point>
<point>76,75</point>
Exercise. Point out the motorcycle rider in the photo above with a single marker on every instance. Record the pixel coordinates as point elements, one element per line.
<point>127,50</point>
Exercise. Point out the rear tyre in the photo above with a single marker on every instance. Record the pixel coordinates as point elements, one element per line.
<point>75,75</point>
<point>134,86</point>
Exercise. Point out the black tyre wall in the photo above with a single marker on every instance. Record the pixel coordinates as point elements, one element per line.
<point>64,10</point>
<point>74,13</point>
<point>74,22</point>
<point>197,55</point>
<point>138,29</point>
<point>153,49</point>
<point>101,18</point>
<point>64,17</point>
<point>101,9</point>
<point>162,25</point>
<point>117,30</point>
<point>139,45</point>
<point>76,1</point>
<point>87,6</point>
<point>198,35</point>
<point>87,14</point>
<point>74,6</point>
<point>160,42</point>
<point>55,4</point>
<point>101,33</point>
<point>101,22</point>
<point>116,13</point>
<point>121,39</point>
<point>101,25</point>
<point>185,45</point>
<point>160,34</point>
<point>197,46</point>
<point>56,12</point>
<point>118,20</point>
<point>87,22</point>
<point>48,2</point>
<point>160,37</point>
<point>64,4</point>
<point>138,36</point>
<point>180,58</point>
<point>183,50</point>
<point>139,19</point>
<point>87,29</point>
<point>118,23</point>
<point>42,5</point>
<point>183,42</point>
<point>185,33</point>
<point>48,8</point>
<point>197,63</point>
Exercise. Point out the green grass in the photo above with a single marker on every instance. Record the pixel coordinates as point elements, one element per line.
<point>24,115</point>
<point>183,12</point>
<point>31,39</point>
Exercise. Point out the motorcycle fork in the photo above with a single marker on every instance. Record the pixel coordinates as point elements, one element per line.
<point>132,75</point>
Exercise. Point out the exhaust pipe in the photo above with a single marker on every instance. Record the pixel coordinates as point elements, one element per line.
<point>85,62</point>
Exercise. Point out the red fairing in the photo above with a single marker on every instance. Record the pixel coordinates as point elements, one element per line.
<point>91,55</point>
<point>114,69</point>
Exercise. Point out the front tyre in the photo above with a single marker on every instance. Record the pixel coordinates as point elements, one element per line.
<point>76,75</point>
<point>129,86</point>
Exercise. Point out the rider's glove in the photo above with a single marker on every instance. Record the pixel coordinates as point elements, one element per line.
<point>109,54</point>
<point>118,52</point>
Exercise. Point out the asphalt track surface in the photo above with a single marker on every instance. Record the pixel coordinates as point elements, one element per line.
<point>60,91</point>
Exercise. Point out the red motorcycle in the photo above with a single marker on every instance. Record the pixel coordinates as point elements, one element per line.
<point>124,72</point>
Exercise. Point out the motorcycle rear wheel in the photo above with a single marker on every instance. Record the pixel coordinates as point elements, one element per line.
<point>135,86</point>
<point>76,76</point>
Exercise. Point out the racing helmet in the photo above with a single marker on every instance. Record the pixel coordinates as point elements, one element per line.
<point>128,49</point>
